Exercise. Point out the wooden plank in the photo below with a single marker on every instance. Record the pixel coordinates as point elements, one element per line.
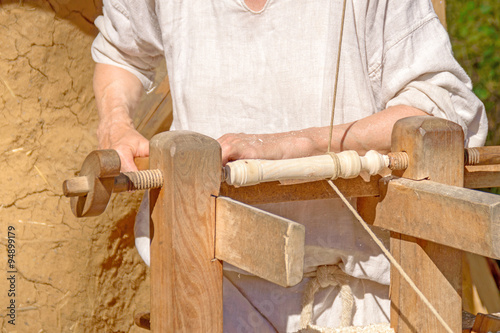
<point>486,323</point>
<point>155,112</point>
<point>425,209</point>
<point>186,281</point>
<point>484,282</point>
<point>440,9</point>
<point>482,176</point>
<point>276,192</point>
<point>408,252</point>
<point>435,150</point>
<point>260,243</point>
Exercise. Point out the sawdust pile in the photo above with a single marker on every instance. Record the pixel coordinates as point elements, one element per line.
<point>72,275</point>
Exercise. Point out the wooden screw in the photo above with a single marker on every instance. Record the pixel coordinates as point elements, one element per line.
<point>99,177</point>
<point>126,181</point>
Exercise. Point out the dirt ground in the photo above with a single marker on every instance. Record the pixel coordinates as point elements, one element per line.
<point>71,275</point>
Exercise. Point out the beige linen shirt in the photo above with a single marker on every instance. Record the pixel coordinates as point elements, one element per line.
<point>235,70</point>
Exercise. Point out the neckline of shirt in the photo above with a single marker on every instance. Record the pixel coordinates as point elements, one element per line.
<point>242,2</point>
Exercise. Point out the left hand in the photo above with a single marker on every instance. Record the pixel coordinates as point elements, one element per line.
<point>373,132</point>
<point>267,146</point>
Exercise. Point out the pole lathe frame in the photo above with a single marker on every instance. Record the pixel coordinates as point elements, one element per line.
<point>432,219</point>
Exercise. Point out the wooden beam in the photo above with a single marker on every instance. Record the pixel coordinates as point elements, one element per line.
<point>186,280</point>
<point>155,112</point>
<point>485,323</point>
<point>435,150</point>
<point>440,9</point>
<point>453,216</point>
<point>488,155</point>
<point>258,242</point>
<point>484,282</point>
<point>276,192</point>
<point>482,176</point>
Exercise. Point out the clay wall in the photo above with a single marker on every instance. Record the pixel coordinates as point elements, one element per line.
<point>72,275</point>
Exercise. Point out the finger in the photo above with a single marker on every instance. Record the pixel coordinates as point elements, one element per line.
<point>127,160</point>
<point>143,148</point>
<point>227,153</point>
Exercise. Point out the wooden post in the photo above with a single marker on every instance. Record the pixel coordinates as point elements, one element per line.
<point>186,280</point>
<point>436,152</point>
<point>440,9</point>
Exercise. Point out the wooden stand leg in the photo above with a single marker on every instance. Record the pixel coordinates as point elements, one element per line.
<point>435,150</point>
<point>186,283</point>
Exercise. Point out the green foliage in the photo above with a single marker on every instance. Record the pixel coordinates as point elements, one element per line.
<point>474,28</point>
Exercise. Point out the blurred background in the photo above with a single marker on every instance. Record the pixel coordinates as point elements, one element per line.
<point>474,28</point>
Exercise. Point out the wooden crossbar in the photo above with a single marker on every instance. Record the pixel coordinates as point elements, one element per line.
<point>453,216</point>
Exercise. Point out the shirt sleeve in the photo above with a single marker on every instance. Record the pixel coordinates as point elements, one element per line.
<point>129,37</point>
<point>416,67</point>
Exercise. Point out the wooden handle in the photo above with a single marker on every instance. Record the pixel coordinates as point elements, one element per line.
<point>75,187</point>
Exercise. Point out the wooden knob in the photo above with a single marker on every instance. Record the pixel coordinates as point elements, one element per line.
<point>76,187</point>
<point>90,193</point>
<point>100,177</point>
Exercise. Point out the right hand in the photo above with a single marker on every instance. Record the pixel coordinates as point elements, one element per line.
<point>125,140</point>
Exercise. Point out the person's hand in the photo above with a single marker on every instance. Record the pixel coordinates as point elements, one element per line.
<point>269,146</point>
<point>125,140</point>
<point>117,95</point>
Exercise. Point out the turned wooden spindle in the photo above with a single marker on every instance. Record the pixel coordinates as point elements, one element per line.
<point>347,164</point>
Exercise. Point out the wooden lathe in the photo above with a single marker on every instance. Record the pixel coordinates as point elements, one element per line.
<point>196,223</point>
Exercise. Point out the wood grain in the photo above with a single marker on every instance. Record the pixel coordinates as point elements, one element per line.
<point>488,155</point>
<point>347,164</point>
<point>155,113</point>
<point>276,192</point>
<point>484,282</point>
<point>486,323</point>
<point>453,216</point>
<point>440,9</point>
<point>435,150</point>
<point>100,168</point>
<point>258,242</point>
<point>186,280</point>
<point>482,176</point>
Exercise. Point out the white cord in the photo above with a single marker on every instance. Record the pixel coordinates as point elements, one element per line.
<point>391,258</point>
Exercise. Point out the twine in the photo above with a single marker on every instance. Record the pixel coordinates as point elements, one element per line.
<point>326,276</point>
<point>391,258</point>
<point>336,76</point>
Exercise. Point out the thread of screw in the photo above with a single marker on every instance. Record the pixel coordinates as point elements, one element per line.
<point>471,156</point>
<point>143,180</point>
<point>398,160</point>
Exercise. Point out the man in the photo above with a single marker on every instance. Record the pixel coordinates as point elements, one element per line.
<point>268,68</point>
